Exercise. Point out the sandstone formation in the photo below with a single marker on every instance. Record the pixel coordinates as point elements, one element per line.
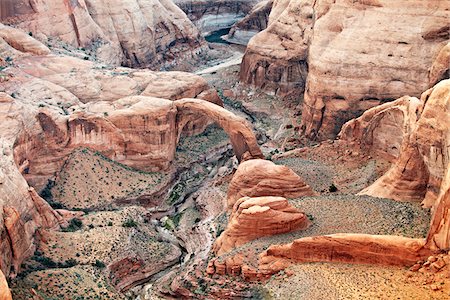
<point>133,33</point>
<point>242,138</point>
<point>424,154</point>
<point>254,22</point>
<point>51,105</point>
<point>5,294</point>
<point>439,233</point>
<point>380,131</point>
<point>440,69</point>
<point>258,177</point>
<point>346,56</point>
<point>349,248</point>
<point>257,217</point>
<point>214,15</point>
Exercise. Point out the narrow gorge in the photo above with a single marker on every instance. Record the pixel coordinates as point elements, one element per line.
<point>224,149</point>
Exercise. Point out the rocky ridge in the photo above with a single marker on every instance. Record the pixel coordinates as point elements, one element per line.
<point>374,52</point>
<point>130,33</point>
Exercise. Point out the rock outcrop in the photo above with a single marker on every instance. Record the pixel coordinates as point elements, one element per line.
<point>424,154</point>
<point>347,248</point>
<point>5,294</point>
<point>440,69</point>
<point>439,233</point>
<point>346,56</point>
<point>52,105</point>
<point>258,177</point>
<point>257,217</point>
<point>132,33</point>
<point>214,15</point>
<point>254,22</point>
<point>381,130</point>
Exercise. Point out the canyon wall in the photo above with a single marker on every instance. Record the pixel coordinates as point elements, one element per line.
<point>346,56</point>
<point>216,14</point>
<point>133,33</point>
<point>255,21</point>
<point>424,155</point>
<point>52,105</point>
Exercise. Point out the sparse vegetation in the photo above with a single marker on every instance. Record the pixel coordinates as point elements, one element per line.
<point>74,225</point>
<point>99,264</point>
<point>130,223</point>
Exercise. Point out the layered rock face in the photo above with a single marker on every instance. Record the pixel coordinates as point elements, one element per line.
<point>257,217</point>
<point>380,131</point>
<point>55,104</point>
<point>350,248</point>
<point>5,294</point>
<point>133,33</point>
<point>439,234</point>
<point>377,55</point>
<point>258,177</point>
<point>346,56</point>
<point>217,14</point>
<point>250,25</point>
<point>424,157</point>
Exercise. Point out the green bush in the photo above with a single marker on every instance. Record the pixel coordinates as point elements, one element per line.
<point>74,225</point>
<point>332,188</point>
<point>99,264</point>
<point>129,223</point>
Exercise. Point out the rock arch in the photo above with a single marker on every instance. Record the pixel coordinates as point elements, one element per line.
<point>241,135</point>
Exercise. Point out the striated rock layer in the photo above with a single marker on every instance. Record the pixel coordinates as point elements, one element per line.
<point>257,217</point>
<point>424,154</point>
<point>346,56</point>
<point>251,24</point>
<point>55,104</point>
<point>258,177</point>
<point>5,294</point>
<point>134,33</point>
<point>214,15</point>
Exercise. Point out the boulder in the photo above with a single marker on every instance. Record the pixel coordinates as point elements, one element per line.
<point>257,217</point>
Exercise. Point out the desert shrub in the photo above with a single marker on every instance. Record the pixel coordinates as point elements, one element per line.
<point>332,188</point>
<point>74,225</point>
<point>129,223</point>
<point>99,264</point>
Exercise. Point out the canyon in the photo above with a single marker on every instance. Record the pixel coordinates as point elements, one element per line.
<point>224,149</point>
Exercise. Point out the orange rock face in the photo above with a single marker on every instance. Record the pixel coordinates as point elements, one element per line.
<point>257,217</point>
<point>424,156</point>
<point>353,248</point>
<point>258,177</point>
<point>380,131</point>
<point>5,294</point>
<point>55,104</point>
<point>346,56</point>
<point>116,32</point>
<point>439,233</point>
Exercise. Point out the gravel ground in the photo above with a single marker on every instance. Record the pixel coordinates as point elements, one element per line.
<point>342,281</point>
<point>350,214</point>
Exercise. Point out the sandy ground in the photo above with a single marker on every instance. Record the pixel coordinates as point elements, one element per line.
<point>317,281</point>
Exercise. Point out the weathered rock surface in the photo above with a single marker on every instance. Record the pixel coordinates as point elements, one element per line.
<point>257,217</point>
<point>350,248</point>
<point>5,294</point>
<point>347,56</point>
<point>424,156</point>
<point>133,33</point>
<point>380,131</point>
<point>52,105</point>
<point>258,177</point>
<point>254,22</point>
<point>440,69</point>
<point>276,58</point>
<point>439,233</point>
<point>217,14</point>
